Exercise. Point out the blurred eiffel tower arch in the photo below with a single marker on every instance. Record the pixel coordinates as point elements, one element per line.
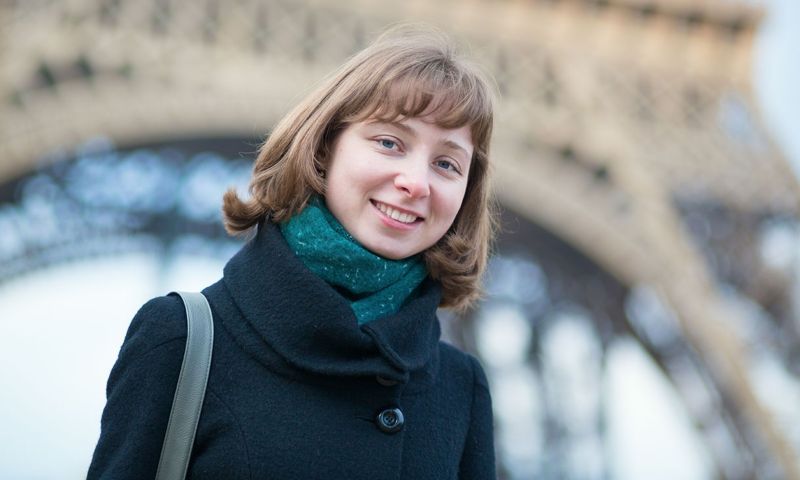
<point>625,128</point>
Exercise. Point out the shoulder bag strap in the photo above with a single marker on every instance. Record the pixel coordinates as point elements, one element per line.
<point>191,389</point>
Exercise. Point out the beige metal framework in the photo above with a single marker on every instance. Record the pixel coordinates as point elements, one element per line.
<point>611,112</point>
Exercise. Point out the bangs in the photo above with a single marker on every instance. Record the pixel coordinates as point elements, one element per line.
<point>453,98</point>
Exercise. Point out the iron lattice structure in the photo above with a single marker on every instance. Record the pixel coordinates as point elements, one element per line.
<point>626,128</point>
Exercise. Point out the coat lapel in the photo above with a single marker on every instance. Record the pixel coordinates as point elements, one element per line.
<point>311,326</point>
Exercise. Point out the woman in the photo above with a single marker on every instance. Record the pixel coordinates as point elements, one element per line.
<point>370,209</point>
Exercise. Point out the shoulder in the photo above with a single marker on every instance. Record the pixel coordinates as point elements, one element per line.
<point>160,321</point>
<point>153,347</point>
<point>462,365</point>
<point>139,392</point>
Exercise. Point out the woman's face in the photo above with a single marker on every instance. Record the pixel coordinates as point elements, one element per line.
<point>397,186</point>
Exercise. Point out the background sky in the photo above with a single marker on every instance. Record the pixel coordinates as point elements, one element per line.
<point>777,75</point>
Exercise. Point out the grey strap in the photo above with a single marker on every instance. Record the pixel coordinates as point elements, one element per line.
<point>191,389</point>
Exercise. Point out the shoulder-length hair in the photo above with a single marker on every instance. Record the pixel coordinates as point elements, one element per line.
<point>407,72</point>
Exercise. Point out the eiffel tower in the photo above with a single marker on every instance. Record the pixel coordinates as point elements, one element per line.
<point>627,133</point>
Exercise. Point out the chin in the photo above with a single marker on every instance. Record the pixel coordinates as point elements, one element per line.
<point>392,253</point>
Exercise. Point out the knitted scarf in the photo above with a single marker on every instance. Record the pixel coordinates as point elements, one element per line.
<point>375,286</point>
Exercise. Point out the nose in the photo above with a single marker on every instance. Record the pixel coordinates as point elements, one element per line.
<point>413,180</point>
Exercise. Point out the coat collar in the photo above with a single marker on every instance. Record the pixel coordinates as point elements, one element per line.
<point>312,327</point>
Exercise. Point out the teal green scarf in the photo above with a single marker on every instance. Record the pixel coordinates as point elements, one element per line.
<point>375,286</point>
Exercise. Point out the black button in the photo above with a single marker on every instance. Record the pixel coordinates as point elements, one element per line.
<point>386,382</point>
<point>390,420</point>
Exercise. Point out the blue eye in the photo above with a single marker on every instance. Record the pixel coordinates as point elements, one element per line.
<point>386,143</point>
<point>447,165</point>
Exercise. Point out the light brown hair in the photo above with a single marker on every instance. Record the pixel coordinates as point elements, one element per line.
<point>407,72</point>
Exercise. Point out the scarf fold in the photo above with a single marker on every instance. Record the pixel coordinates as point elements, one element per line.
<point>375,286</point>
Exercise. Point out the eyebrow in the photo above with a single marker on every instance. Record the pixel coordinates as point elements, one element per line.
<point>456,146</point>
<point>410,131</point>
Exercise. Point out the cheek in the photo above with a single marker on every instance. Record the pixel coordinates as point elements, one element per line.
<point>451,205</point>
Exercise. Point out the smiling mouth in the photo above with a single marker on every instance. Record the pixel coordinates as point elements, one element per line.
<point>395,214</point>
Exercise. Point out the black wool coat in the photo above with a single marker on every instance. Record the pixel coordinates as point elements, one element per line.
<point>296,385</point>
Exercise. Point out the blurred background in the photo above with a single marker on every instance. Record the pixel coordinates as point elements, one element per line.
<point>642,318</point>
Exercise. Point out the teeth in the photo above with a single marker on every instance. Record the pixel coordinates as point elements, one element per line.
<point>399,216</point>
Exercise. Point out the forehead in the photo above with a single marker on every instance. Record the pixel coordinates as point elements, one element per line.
<point>428,128</point>
<point>434,123</point>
